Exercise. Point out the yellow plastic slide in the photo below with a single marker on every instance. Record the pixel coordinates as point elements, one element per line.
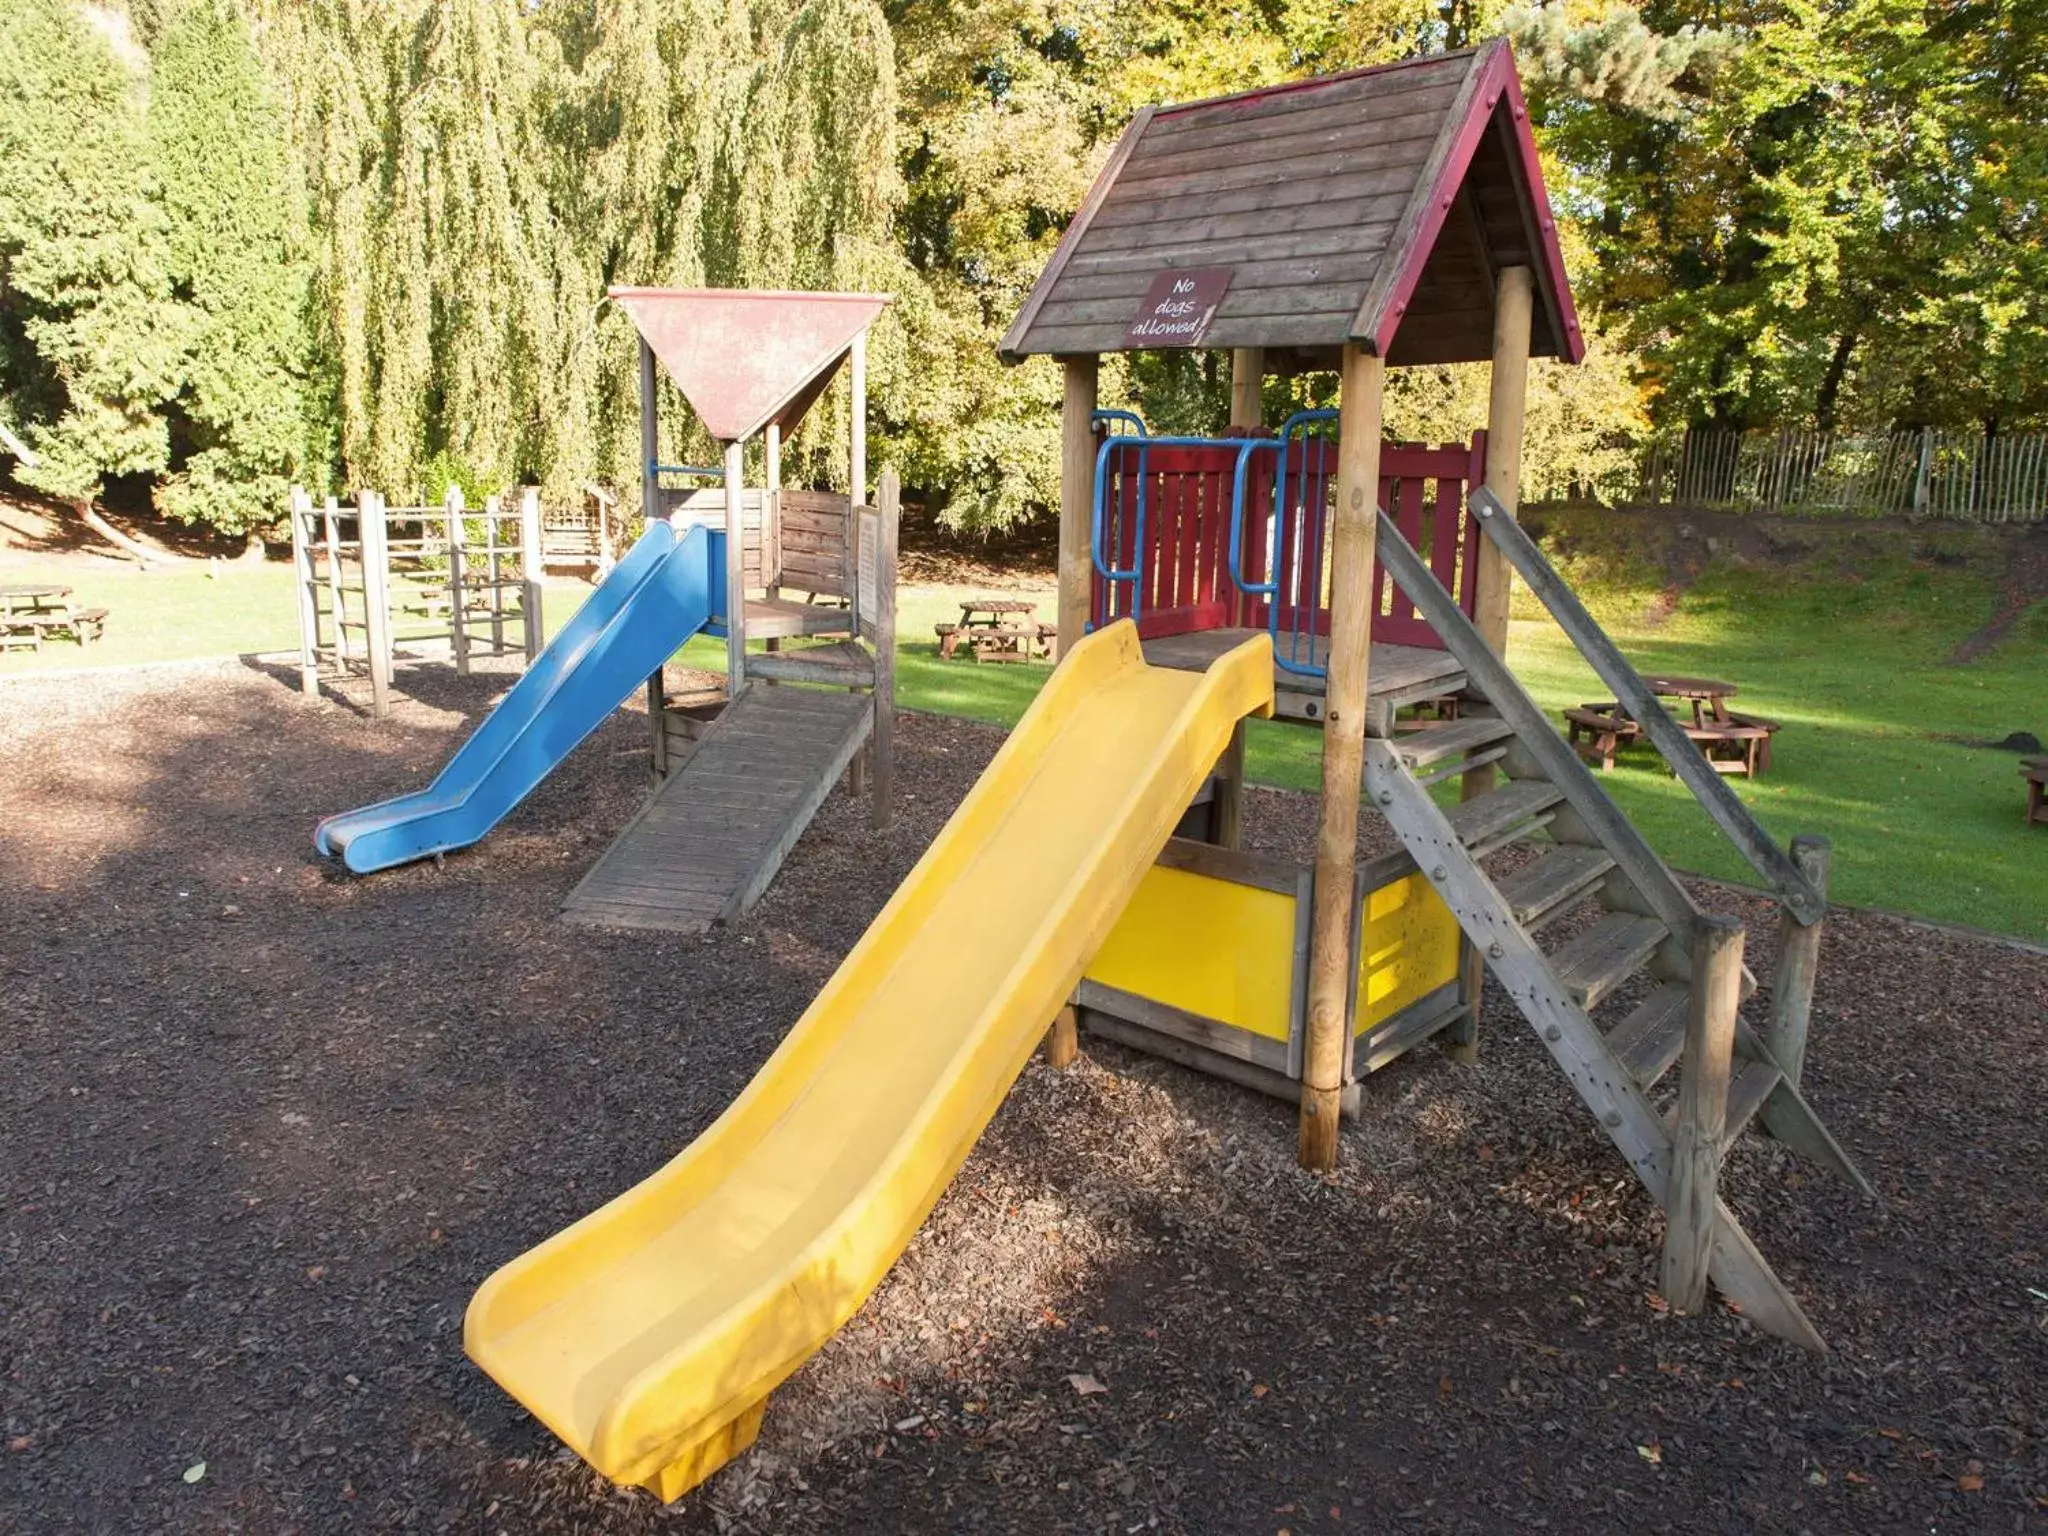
<point>649,1334</point>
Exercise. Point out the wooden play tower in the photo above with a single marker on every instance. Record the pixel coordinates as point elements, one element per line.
<point>1346,225</point>
<point>741,770</point>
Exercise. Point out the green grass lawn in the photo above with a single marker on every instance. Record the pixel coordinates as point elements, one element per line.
<point>1854,663</point>
<point>1854,666</point>
<point>185,613</point>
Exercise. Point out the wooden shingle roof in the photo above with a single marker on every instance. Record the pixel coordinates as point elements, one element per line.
<point>1375,206</point>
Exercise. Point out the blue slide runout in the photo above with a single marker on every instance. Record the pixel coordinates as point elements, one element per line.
<point>664,591</point>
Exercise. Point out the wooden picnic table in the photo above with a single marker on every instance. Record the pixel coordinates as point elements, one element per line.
<point>31,597</point>
<point>1733,743</point>
<point>1708,696</point>
<point>30,611</point>
<point>996,629</point>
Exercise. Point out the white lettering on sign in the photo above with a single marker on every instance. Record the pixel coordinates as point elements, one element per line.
<point>1178,307</point>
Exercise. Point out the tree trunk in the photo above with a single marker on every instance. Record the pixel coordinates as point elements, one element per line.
<point>1831,382</point>
<point>114,536</point>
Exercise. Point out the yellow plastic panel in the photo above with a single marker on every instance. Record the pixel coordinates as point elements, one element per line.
<point>1408,948</point>
<point>648,1334</point>
<point>1207,946</point>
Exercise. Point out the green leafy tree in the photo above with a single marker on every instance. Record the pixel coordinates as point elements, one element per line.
<point>90,342</point>
<point>234,205</point>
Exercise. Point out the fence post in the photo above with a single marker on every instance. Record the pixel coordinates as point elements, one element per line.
<point>376,597</point>
<point>1923,477</point>
<point>1692,1203</point>
<point>529,570</point>
<point>309,593</point>
<point>458,632</point>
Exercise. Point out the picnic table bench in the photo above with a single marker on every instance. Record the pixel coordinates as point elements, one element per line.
<point>1733,742</point>
<point>996,629</point>
<point>2036,771</point>
<point>31,612</point>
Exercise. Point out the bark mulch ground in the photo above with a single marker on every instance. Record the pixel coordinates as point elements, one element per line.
<point>263,1129</point>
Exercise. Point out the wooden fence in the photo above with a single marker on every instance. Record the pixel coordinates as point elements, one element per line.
<point>1960,475</point>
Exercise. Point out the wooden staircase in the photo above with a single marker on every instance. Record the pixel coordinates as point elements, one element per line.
<point>1620,975</point>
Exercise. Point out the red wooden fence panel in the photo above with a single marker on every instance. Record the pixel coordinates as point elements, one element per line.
<point>1185,582</point>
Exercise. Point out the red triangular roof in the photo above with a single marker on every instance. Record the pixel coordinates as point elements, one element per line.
<point>744,357</point>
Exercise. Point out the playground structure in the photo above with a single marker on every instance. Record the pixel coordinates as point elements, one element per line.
<point>1389,215</point>
<point>1392,216</point>
<point>379,584</point>
<point>740,772</point>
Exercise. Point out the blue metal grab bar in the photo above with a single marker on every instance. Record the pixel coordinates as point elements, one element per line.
<point>1296,426</point>
<point>1107,415</point>
<point>1133,577</point>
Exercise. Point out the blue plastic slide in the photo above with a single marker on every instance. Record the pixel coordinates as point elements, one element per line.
<point>660,595</point>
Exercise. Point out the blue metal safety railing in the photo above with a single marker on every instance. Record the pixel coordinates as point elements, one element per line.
<point>1296,525</point>
<point>1134,577</point>
<point>1108,416</point>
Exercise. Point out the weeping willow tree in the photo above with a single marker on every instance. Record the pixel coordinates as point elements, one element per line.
<point>717,145</point>
<point>479,171</point>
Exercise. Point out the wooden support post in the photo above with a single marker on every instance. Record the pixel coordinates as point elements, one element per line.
<point>1063,1039</point>
<point>1226,817</point>
<point>1798,966</point>
<point>883,739</point>
<point>458,579</point>
<point>650,438</point>
<point>1247,410</point>
<point>1247,387</point>
<point>657,712</point>
<point>376,597</point>
<point>1330,969</point>
<point>309,593</point>
<point>330,516</point>
<point>1506,416</point>
<point>735,569</point>
<point>857,424</point>
<point>771,511</point>
<point>650,510</point>
<point>530,592</point>
<point>1077,497</point>
<point>493,562</point>
<point>1691,1211</point>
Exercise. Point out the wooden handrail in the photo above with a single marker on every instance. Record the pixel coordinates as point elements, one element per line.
<point>1798,894</point>
<point>1631,851</point>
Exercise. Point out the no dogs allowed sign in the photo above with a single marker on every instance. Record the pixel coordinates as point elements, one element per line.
<point>1178,307</point>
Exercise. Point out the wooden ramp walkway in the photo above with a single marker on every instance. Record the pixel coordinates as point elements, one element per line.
<point>711,837</point>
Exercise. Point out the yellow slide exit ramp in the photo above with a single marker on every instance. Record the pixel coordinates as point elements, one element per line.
<point>649,1334</point>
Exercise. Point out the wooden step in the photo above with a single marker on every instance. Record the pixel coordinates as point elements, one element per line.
<point>1519,800</point>
<point>845,663</point>
<point>1652,1038</point>
<point>1441,741</point>
<point>1607,954</point>
<point>1547,887</point>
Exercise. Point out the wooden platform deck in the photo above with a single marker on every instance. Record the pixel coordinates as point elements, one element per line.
<point>712,836</point>
<point>1397,674</point>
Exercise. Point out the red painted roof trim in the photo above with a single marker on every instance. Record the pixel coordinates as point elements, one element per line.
<point>1499,85</point>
